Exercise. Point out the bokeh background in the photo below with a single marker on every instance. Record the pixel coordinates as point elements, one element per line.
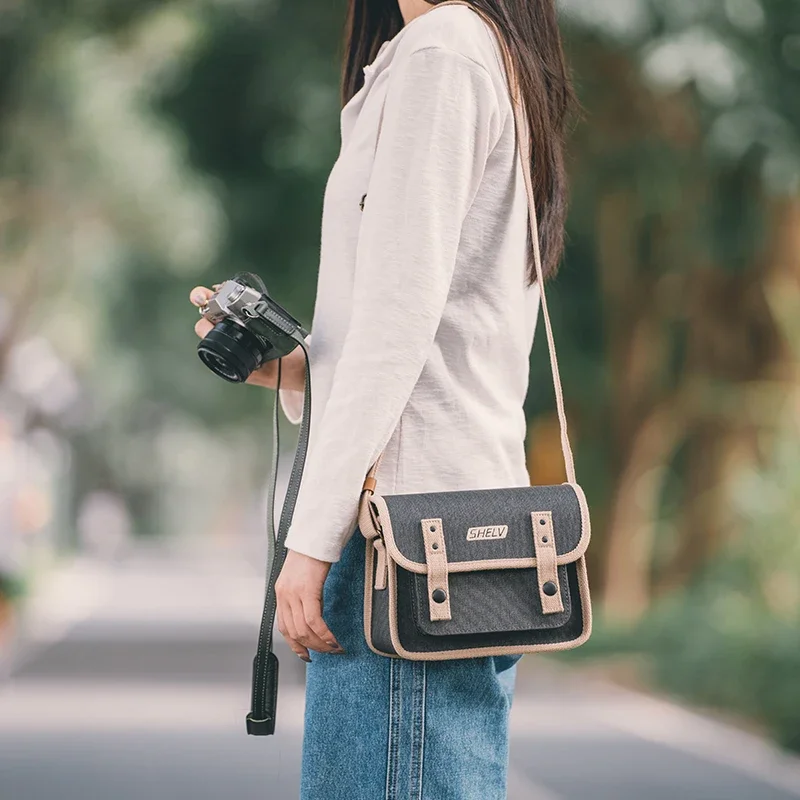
<point>146,147</point>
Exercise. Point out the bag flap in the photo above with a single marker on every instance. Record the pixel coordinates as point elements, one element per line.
<point>484,528</point>
<point>492,601</point>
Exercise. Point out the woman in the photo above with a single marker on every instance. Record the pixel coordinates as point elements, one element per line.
<point>424,319</point>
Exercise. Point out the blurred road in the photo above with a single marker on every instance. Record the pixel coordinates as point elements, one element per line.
<point>134,687</point>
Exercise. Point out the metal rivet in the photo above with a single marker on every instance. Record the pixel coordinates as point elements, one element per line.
<point>439,595</point>
<point>543,521</point>
<point>549,588</point>
<point>433,529</point>
<point>435,545</point>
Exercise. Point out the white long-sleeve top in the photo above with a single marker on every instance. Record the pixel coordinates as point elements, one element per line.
<point>424,321</point>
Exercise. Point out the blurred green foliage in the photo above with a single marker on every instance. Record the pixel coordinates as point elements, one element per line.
<point>730,639</point>
<point>149,147</point>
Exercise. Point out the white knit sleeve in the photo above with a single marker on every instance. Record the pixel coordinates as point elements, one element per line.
<point>441,120</point>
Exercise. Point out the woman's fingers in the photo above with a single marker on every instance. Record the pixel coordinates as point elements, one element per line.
<point>304,634</point>
<point>202,327</point>
<point>312,610</point>
<point>299,595</point>
<point>300,623</point>
<point>288,631</point>
<point>200,295</point>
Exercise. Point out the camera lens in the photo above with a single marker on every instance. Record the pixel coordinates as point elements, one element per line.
<point>231,351</point>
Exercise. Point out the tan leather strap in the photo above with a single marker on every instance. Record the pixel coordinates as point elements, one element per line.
<point>436,559</point>
<point>544,543</point>
<point>525,154</point>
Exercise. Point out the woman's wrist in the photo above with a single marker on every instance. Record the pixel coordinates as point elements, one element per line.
<point>293,371</point>
<point>293,375</point>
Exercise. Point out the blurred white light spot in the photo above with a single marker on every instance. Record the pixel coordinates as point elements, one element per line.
<point>623,19</point>
<point>50,448</point>
<point>747,15</point>
<point>737,130</point>
<point>782,173</point>
<point>696,55</point>
<point>37,373</point>
<point>104,524</point>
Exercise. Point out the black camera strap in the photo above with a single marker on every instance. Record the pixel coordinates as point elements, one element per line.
<point>261,719</point>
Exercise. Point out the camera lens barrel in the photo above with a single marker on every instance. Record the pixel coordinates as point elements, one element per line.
<point>231,351</point>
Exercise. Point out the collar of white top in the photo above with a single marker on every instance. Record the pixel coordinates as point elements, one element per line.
<point>370,68</point>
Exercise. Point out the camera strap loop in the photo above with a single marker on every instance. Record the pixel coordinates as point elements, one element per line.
<point>261,719</point>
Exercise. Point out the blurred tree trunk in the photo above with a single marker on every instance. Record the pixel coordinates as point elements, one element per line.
<point>644,434</point>
<point>733,342</point>
<point>631,528</point>
<point>736,339</point>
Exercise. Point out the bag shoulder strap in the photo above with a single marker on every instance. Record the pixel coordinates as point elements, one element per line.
<point>525,154</point>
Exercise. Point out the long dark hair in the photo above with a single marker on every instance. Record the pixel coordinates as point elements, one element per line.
<point>531,32</point>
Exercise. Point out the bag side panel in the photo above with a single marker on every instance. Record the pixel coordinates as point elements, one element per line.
<point>376,610</point>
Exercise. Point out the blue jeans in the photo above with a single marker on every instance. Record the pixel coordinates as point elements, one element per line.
<point>380,728</point>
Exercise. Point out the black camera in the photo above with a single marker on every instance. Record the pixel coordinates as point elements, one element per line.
<point>250,328</point>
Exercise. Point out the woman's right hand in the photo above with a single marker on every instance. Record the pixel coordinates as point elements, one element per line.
<point>293,375</point>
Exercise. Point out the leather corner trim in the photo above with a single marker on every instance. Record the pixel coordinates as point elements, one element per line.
<point>586,522</point>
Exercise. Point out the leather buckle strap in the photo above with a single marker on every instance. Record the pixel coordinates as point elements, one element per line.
<point>381,565</point>
<point>544,544</point>
<point>368,522</point>
<point>436,558</point>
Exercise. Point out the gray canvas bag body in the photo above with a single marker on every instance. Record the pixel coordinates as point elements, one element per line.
<point>483,572</point>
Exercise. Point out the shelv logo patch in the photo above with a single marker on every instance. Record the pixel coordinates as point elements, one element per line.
<point>487,532</point>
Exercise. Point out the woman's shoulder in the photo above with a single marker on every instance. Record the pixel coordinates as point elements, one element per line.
<point>457,30</point>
